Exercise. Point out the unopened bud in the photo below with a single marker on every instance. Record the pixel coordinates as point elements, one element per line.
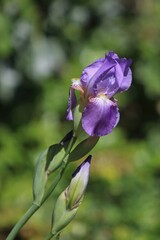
<point>62,216</point>
<point>68,202</point>
<point>76,189</point>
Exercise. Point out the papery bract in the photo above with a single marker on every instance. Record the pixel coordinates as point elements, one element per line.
<point>99,82</point>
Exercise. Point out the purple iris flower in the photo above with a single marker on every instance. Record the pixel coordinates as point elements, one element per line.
<point>99,82</point>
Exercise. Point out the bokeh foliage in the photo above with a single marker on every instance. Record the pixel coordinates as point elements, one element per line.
<point>43,44</point>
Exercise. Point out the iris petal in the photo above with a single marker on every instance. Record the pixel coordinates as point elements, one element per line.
<point>110,84</point>
<point>100,116</point>
<point>113,55</point>
<point>72,101</point>
<point>100,75</point>
<point>90,70</point>
<point>127,74</point>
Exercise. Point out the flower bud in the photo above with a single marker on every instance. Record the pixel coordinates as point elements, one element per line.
<point>76,189</point>
<point>68,202</point>
<point>62,216</point>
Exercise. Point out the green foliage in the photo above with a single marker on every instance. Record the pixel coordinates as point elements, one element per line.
<point>44,44</point>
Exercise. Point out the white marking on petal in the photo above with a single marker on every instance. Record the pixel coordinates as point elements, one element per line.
<point>76,84</point>
<point>111,80</point>
<point>100,99</point>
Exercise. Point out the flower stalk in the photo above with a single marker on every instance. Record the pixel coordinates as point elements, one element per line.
<point>70,199</point>
<point>34,207</point>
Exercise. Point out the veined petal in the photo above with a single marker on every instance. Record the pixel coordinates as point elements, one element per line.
<point>90,70</point>
<point>100,116</point>
<point>110,85</point>
<point>117,79</point>
<point>100,75</point>
<point>127,74</point>
<point>72,101</point>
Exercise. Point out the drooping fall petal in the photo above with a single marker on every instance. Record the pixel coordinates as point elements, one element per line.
<point>100,116</point>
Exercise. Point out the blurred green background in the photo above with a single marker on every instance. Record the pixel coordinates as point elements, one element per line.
<point>43,44</point>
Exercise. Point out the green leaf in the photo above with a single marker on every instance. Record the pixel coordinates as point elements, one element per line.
<point>57,152</point>
<point>83,148</point>
<point>56,155</point>
<point>48,162</point>
<point>77,119</point>
<point>40,178</point>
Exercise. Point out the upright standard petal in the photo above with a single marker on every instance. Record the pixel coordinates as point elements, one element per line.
<point>112,55</point>
<point>100,75</point>
<point>110,84</point>
<point>100,116</point>
<point>90,70</point>
<point>127,74</point>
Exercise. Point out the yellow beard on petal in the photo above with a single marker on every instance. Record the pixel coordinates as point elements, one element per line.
<point>103,97</point>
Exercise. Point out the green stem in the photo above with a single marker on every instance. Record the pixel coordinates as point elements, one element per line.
<point>72,142</point>
<point>63,167</point>
<point>54,184</point>
<point>22,221</point>
<point>50,235</point>
<point>58,236</point>
<point>35,207</point>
